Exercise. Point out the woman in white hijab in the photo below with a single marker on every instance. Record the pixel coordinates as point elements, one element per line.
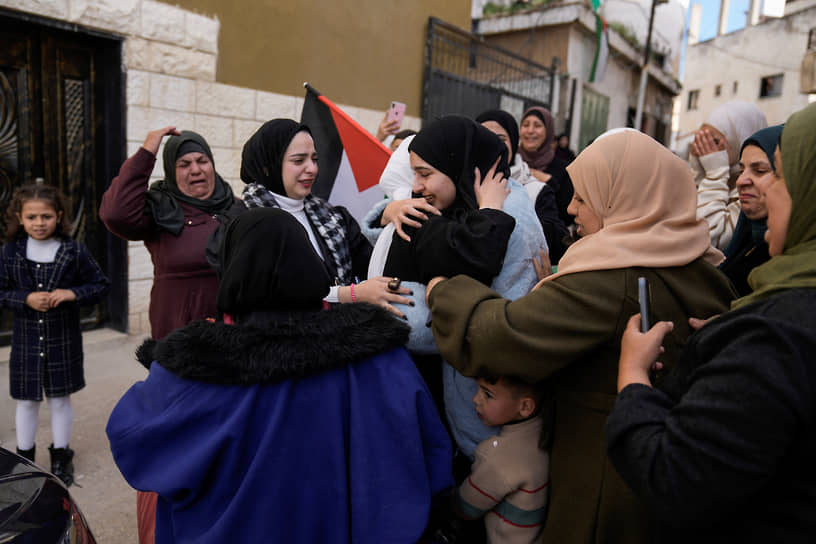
<point>714,158</point>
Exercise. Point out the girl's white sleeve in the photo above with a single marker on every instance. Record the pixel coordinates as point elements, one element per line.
<point>716,202</point>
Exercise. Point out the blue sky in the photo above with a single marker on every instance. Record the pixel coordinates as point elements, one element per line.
<point>737,13</point>
<point>711,16</point>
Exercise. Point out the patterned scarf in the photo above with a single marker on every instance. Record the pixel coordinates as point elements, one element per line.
<point>327,222</point>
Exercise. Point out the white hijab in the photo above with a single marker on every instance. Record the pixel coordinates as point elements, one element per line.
<point>737,120</point>
<point>396,181</point>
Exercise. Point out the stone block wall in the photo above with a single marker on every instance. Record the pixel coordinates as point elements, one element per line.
<point>169,60</point>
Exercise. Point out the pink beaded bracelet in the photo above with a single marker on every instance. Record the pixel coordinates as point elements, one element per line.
<point>353,298</point>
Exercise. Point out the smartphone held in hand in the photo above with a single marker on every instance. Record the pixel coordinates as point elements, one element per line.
<point>396,112</point>
<point>643,299</point>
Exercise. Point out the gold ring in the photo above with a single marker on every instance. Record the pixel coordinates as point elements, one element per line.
<point>394,284</point>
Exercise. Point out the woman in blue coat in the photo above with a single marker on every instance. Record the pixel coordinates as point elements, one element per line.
<point>286,422</point>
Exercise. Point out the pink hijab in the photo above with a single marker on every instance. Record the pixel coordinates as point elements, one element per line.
<point>647,203</point>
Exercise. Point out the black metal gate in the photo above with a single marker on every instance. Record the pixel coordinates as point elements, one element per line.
<point>466,76</point>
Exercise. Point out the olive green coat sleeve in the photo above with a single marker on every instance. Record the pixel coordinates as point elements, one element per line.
<point>567,319</point>
<point>479,332</point>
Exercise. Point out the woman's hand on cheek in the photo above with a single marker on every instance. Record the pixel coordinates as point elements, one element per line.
<point>491,192</point>
<point>376,291</point>
<point>639,351</point>
<point>431,285</point>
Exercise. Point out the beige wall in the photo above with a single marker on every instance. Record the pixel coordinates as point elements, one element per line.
<point>360,52</point>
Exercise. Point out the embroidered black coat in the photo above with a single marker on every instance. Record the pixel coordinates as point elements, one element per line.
<point>46,347</point>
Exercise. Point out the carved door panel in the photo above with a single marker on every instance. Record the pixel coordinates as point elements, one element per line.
<point>49,118</point>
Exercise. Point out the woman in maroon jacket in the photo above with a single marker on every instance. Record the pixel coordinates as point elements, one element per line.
<point>174,217</point>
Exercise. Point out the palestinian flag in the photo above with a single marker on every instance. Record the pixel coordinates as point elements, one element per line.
<point>351,159</point>
<point>601,48</point>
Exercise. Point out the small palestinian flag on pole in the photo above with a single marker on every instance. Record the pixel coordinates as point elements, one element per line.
<point>602,45</point>
<point>351,159</point>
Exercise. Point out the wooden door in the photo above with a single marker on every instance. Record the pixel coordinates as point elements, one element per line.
<point>53,127</point>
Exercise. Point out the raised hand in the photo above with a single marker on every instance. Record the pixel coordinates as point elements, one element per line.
<point>386,127</point>
<point>705,143</point>
<point>155,137</point>
<point>491,192</point>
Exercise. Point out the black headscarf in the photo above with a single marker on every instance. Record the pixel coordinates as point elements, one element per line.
<point>163,196</point>
<point>455,146</point>
<point>262,157</point>
<point>508,123</point>
<point>268,264</point>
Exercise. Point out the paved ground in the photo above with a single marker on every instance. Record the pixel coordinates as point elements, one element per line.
<point>107,501</point>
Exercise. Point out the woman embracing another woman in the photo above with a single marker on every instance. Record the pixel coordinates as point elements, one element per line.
<point>279,166</point>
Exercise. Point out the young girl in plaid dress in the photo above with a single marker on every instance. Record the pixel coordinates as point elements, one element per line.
<point>44,277</point>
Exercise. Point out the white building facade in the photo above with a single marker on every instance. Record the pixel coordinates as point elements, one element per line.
<point>760,63</point>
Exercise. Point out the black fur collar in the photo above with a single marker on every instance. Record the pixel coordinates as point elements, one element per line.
<point>305,345</point>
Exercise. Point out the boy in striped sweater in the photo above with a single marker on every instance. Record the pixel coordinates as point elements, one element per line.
<point>509,479</point>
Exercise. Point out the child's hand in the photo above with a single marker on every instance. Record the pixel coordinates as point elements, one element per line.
<point>58,296</point>
<point>39,300</point>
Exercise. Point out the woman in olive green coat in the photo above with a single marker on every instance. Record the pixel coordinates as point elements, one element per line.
<point>635,208</point>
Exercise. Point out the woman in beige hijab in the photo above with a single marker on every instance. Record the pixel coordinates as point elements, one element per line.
<point>635,207</point>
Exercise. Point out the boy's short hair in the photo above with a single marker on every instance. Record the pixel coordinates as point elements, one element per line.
<point>520,388</point>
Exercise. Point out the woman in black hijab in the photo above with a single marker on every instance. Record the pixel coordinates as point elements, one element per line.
<point>289,404</point>
<point>284,276</point>
<point>279,166</point>
<point>174,218</point>
<point>452,158</point>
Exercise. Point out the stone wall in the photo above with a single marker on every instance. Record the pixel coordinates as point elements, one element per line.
<point>169,61</point>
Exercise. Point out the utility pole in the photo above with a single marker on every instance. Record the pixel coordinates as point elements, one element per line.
<point>644,73</point>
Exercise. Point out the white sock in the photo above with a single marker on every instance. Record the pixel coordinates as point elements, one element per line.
<point>62,416</point>
<point>25,419</point>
